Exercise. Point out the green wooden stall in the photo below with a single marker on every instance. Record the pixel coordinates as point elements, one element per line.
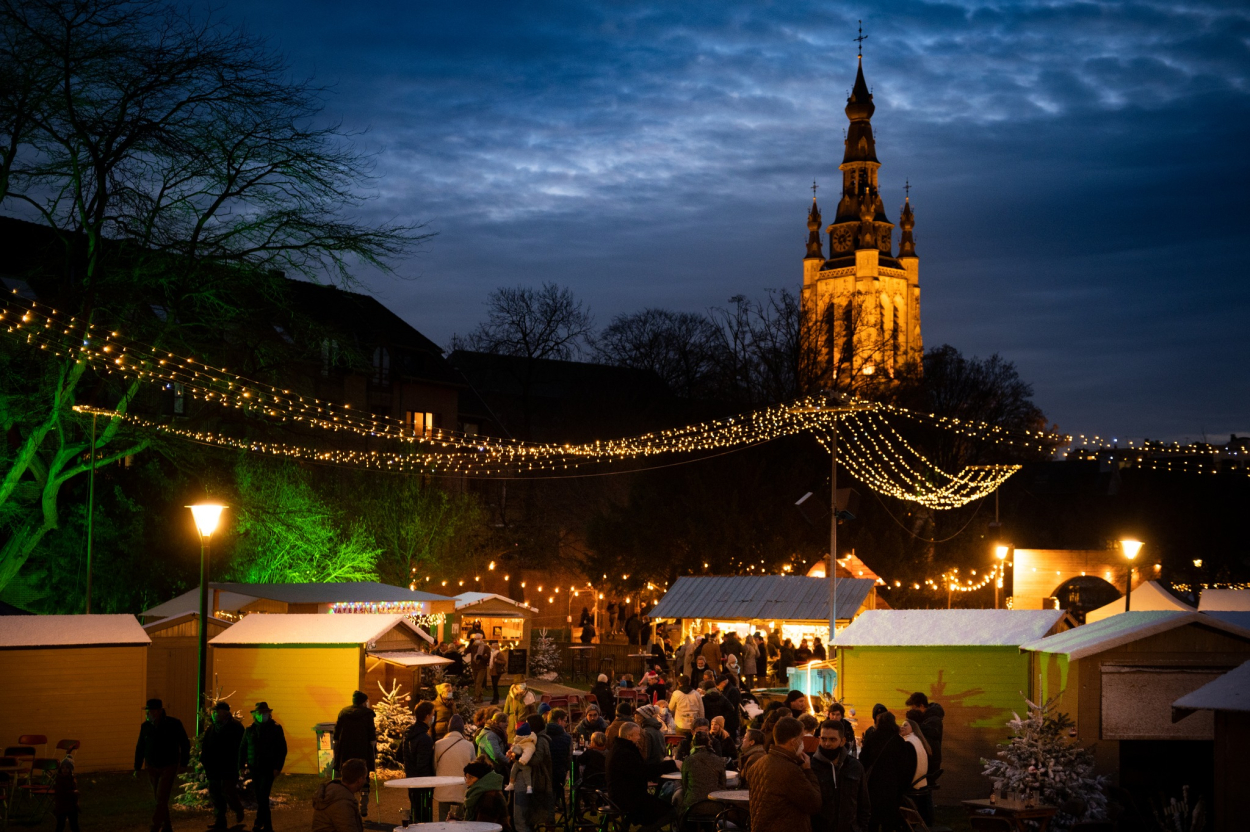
<point>968,661</point>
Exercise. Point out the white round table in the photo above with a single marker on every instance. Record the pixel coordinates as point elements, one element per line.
<point>731,796</point>
<point>451,826</point>
<point>731,777</point>
<point>427,783</point>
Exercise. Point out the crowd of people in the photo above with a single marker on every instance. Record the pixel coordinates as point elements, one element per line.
<point>522,761</point>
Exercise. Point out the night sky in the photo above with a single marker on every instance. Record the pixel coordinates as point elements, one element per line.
<point>1078,170</point>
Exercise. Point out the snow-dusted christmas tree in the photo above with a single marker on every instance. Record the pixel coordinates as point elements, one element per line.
<point>1041,758</point>
<point>392,718</point>
<point>545,663</point>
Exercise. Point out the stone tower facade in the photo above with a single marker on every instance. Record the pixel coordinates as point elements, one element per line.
<point>861,302</point>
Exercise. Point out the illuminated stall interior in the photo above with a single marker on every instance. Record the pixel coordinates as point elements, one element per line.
<point>500,618</point>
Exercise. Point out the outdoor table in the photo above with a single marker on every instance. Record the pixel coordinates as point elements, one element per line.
<point>581,659</point>
<point>642,660</point>
<point>732,796</point>
<point>451,826</point>
<point>731,777</point>
<point>423,805</point>
<point>1015,812</point>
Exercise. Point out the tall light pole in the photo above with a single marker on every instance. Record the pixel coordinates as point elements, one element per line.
<point>206,516</point>
<point>1000,552</point>
<point>91,511</point>
<point>1130,548</point>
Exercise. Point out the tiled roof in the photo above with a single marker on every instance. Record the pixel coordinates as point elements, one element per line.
<point>764,597</point>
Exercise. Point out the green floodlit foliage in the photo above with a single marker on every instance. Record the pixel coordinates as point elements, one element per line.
<point>286,533</point>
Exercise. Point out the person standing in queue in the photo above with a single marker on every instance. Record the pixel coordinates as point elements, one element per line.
<point>163,748</point>
<point>263,753</point>
<point>356,738</point>
<point>219,755</point>
<point>419,761</point>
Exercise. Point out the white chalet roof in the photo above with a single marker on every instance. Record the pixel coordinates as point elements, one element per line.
<point>296,628</point>
<point>408,658</point>
<point>70,631</point>
<point>235,596</point>
<point>1124,628</point>
<point>948,628</point>
<point>1231,600</point>
<point>469,599</point>
<point>1230,692</point>
<point>1146,597</point>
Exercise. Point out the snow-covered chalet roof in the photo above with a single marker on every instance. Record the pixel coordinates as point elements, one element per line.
<point>1124,628</point>
<point>1230,692</point>
<point>296,628</point>
<point>1146,597</point>
<point>70,631</point>
<point>469,599</point>
<point>1231,600</point>
<point>948,628</point>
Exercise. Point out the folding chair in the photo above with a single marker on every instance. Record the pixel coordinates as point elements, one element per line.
<point>700,816</point>
<point>913,820</point>
<point>733,819</point>
<point>34,739</point>
<point>559,702</point>
<point>68,746</point>
<point>39,789</point>
<point>23,757</point>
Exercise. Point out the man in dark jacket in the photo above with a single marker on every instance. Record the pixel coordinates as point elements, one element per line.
<point>728,687</point>
<point>219,754</point>
<point>163,748</point>
<point>930,716</point>
<point>844,804</point>
<point>624,715</point>
<point>263,752</point>
<point>628,775</point>
<point>356,738</point>
<point>604,697</point>
<point>419,761</point>
<point>836,712</point>
<point>784,790</point>
<point>561,747</point>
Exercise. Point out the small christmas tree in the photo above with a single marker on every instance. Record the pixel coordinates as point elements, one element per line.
<point>194,794</point>
<point>392,718</point>
<point>545,663</point>
<point>1041,758</point>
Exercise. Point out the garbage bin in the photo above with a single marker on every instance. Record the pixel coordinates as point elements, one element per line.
<point>325,748</point>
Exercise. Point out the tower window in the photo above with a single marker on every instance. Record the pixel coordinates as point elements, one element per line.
<point>381,366</point>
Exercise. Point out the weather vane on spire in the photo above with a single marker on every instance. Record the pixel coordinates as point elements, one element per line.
<point>862,37</point>
<point>907,189</point>
<point>814,187</point>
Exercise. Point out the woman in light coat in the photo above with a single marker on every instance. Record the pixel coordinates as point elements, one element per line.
<point>451,754</point>
<point>750,661</point>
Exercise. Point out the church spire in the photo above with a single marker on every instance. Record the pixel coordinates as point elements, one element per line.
<point>907,221</point>
<point>815,250</point>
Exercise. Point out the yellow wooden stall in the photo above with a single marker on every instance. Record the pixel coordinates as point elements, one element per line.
<point>306,667</point>
<point>968,661</point>
<point>173,662</point>
<point>79,677</point>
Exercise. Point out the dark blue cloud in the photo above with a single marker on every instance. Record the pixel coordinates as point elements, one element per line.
<point>1076,168</point>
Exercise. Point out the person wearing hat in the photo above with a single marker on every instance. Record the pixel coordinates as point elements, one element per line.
<point>492,742</point>
<point>484,800</point>
<point>219,755</point>
<point>451,754</point>
<point>263,753</point>
<point>162,748</point>
<point>356,738</point>
<point>591,722</point>
<point>602,691</point>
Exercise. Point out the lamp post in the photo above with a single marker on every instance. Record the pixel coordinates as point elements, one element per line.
<point>1000,552</point>
<point>1130,548</point>
<point>206,516</point>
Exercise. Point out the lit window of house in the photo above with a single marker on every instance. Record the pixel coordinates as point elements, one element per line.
<point>418,423</point>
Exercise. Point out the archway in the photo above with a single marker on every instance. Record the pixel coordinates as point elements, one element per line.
<point>1083,593</point>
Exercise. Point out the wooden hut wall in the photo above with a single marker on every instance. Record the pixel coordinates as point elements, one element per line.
<point>303,685</point>
<point>978,687</point>
<point>91,694</point>
<point>173,667</point>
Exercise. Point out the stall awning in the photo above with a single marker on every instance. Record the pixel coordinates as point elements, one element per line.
<point>760,597</point>
<point>408,658</point>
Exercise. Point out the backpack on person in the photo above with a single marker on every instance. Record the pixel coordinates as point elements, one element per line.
<point>481,657</point>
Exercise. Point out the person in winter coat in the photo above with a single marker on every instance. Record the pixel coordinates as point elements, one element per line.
<point>750,661</point>
<point>593,763</point>
<point>877,710</point>
<point>628,775</point>
<point>334,803</point>
<point>818,650</point>
<point>662,713</point>
<point>624,714</point>
<point>219,755</point>
<point>444,709</point>
<point>919,792</point>
<point>654,733</point>
<point>531,777</point>
<point>498,667</point>
<point>479,661</point>
<point>892,762</point>
<point>683,656</point>
<point>727,684</point>
<point>356,738</point>
<point>783,788</point>
<point>418,752</point>
<point>590,723</point>
<point>65,796</point>
<point>561,743</point>
<point>514,706</point>
<point>836,712</point>
<point>930,718</point>
<point>803,653</point>
<point>163,748</point>
<point>263,753</point>
<point>711,652</point>
<point>484,800</point>
<point>602,691</point>
<point>844,804</point>
<point>752,750</point>
<point>492,742</point>
<point>451,754</point>
<point>686,705</point>
<point>702,773</point>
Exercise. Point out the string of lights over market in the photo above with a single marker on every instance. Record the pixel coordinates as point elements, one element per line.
<point>870,446</point>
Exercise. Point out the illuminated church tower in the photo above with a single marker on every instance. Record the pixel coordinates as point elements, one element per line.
<point>861,303</point>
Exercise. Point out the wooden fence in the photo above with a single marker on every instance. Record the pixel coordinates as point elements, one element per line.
<point>585,662</point>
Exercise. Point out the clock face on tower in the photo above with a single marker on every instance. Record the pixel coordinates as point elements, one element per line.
<point>841,238</point>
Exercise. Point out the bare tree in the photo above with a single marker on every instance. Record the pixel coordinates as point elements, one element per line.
<point>180,171</point>
<point>679,347</point>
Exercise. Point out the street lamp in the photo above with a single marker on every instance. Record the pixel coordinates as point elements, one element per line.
<point>206,516</point>
<point>1000,552</point>
<point>1130,548</point>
